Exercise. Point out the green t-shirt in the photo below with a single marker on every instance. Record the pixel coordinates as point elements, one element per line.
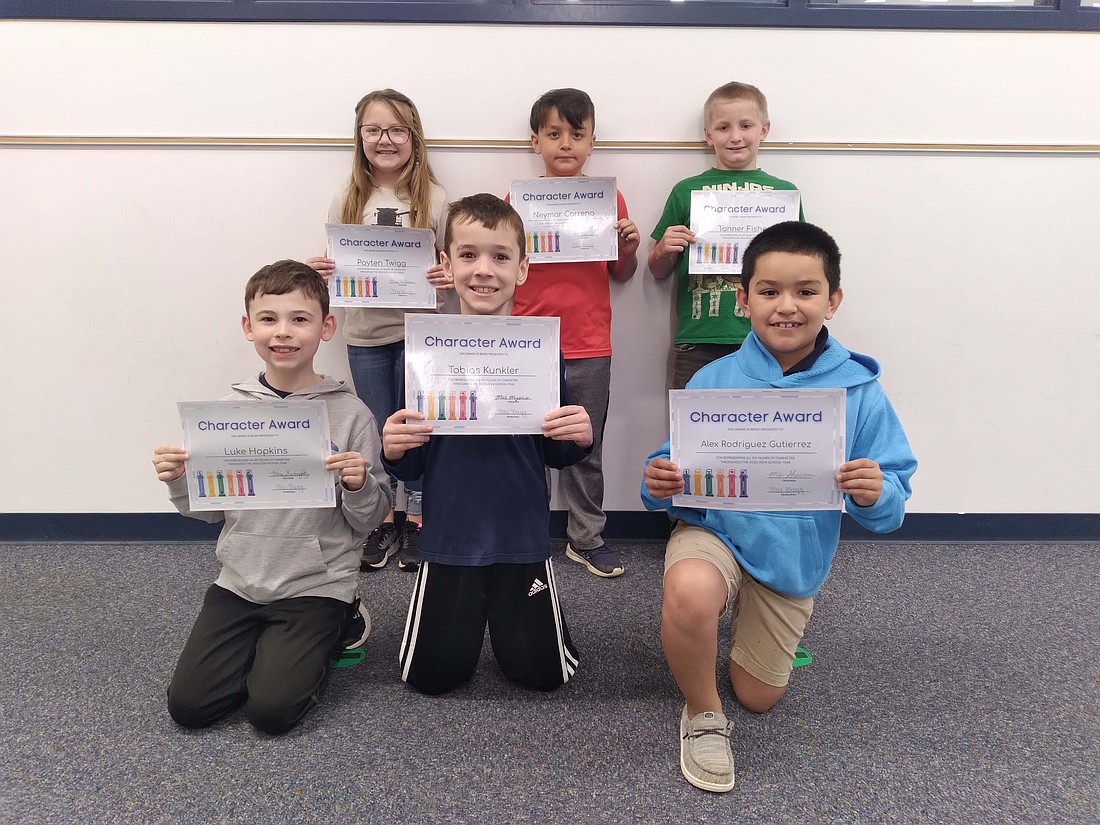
<point>706,305</point>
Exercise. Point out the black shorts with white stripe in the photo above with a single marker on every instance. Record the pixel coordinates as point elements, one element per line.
<point>450,608</point>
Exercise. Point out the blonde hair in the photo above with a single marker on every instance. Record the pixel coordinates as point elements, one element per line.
<point>735,91</point>
<point>414,186</point>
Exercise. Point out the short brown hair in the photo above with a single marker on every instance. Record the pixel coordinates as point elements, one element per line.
<point>735,91</point>
<point>488,211</point>
<point>572,104</point>
<point>286,276</point>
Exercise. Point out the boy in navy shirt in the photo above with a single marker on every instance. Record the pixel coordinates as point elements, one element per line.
<point>485,547</point>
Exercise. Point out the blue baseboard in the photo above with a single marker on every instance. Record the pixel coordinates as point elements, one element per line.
<point>621,526</point>
<point>955,528</point>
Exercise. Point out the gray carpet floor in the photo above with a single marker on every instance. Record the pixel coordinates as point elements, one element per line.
<point>949,684</point>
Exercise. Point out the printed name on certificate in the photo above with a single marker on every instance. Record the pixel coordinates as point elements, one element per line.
<point>381,266</point>
<point>476,374</point>
<point>254,455</point>
<point>724,221</point>
<point>568,219</point>
<point>769,449</point>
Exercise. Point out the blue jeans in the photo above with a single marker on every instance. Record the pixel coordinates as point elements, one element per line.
<point>379,377</point>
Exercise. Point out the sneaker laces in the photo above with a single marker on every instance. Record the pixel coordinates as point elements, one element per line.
<point>725,731</point>
<point>709,754</point>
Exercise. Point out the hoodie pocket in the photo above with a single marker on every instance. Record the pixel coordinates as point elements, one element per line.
<point>781,549</point>
<point>272,567</point>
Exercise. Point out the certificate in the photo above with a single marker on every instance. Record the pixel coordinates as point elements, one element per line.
<point>478,374</point>
<point>758,449</point>
<point>256,455</point>
<point>725,221</point>
<point>380,266</point>
<point>568,219</point>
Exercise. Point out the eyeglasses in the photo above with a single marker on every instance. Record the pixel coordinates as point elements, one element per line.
<point>397,134</point>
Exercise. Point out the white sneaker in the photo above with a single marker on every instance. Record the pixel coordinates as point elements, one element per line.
<point>705,756</point>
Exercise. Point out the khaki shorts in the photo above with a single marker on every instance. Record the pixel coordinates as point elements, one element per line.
<point>767,626</point>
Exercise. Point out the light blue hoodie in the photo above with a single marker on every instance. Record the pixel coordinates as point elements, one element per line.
<point>791,552</point>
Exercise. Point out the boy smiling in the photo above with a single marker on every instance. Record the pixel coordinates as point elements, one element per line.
<point>765,567</point>
<point>735,123</point>
<point>286,596</point>
<point>485,546</point>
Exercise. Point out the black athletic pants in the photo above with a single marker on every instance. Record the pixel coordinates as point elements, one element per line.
<point>450,608</point>
<point>270,658</point>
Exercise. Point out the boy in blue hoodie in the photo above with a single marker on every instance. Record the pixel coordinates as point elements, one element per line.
<point>766,566</point>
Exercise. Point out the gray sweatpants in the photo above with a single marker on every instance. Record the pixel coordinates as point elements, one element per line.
<point>581,486</point>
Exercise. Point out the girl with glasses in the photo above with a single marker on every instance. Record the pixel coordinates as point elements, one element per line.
<point>392,184</point>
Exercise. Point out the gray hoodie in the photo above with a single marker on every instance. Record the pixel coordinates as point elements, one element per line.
<point>267,555</point>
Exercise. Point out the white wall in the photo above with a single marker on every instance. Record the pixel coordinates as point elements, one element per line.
<point>974,279</point>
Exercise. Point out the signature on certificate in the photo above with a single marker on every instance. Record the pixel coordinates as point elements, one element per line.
<point>788,491</point>
<point>792,475</point>
<point>288,474</point>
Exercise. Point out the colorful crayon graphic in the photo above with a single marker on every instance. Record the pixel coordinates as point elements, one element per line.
<point>716,253</point>
<point>543,242</point>
<point>227,484</point>
<point>716,483</point>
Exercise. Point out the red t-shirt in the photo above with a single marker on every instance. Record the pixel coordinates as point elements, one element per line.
<point>579,294</point>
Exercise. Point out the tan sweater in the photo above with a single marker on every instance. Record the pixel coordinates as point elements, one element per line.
<point>376,327</point>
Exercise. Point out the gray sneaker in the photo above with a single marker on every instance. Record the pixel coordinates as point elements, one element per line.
<point>705,756</point>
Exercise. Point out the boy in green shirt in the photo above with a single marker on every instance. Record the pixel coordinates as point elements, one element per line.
<point>710,324</point>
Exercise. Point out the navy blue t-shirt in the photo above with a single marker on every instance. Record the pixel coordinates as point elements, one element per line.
<point>485,497</point>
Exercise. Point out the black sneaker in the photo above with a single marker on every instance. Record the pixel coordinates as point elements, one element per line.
<point>357,628</point>
<point>379,546</point>
<point>409,559</point>
<point>601,561</point>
